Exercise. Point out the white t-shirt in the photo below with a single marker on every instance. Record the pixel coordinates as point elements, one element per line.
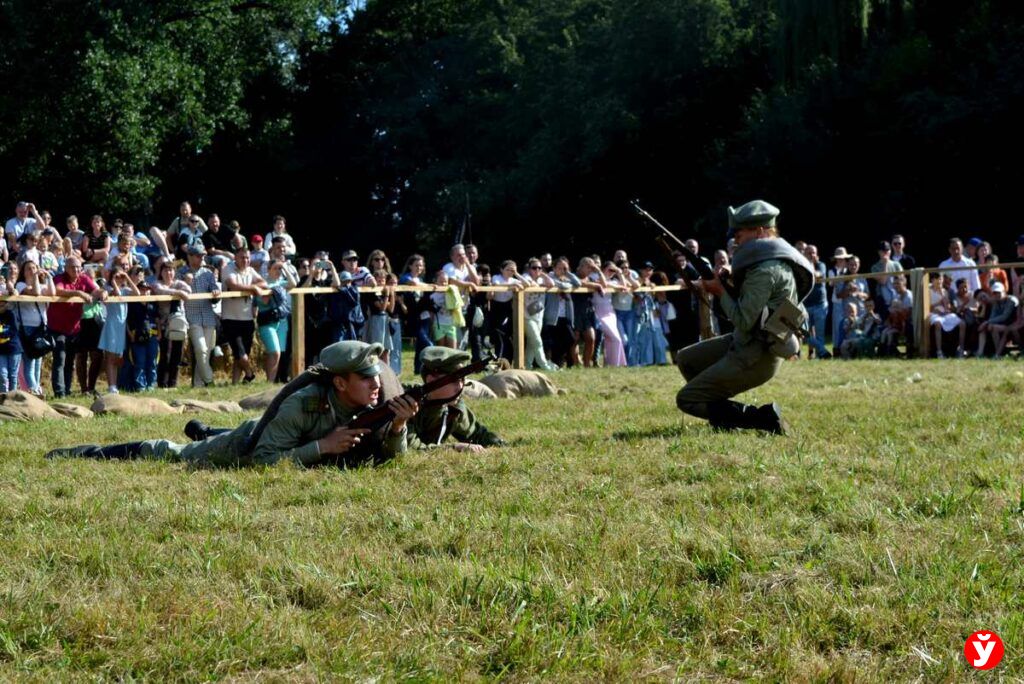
<point>443,315</point>
<point>453,271</point>
<point>16,227</point>
<point>237,308</point>
<point>502,280</point>
<point>289,243</point>
<point>968,270</point>
<point>32,314</point>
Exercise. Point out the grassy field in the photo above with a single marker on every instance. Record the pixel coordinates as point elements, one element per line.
<point>612,540</point>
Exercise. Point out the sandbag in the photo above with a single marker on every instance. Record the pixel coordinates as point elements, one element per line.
<point>258,402</point>
<point>124,405</point>
<point>197,406</point>
<point>513,384</point>
<point>390,387</point>
<point>478,390</point>
<point>72,410</point>
<point>19,405</point>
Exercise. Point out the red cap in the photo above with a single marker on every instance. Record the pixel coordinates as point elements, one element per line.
<point>256,238</point>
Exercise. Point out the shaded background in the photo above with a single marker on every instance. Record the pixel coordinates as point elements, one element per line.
<point>376,124</point>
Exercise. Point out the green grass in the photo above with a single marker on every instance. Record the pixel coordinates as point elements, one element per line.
<point>611,541</point>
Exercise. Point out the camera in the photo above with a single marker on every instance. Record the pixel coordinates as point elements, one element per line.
<point>323,264</point>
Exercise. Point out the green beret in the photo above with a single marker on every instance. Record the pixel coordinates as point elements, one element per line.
<point>351,356</point>
<point>442,360</point>
<point>753,215</point>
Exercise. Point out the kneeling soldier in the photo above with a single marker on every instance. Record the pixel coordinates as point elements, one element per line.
<point>444,413</point>
<point>308,428</point>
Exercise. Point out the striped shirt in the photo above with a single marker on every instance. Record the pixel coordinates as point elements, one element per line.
<point>201,312</point>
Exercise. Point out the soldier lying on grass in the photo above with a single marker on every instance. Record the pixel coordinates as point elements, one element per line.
<point>307,427</point>
<point>444,412</point>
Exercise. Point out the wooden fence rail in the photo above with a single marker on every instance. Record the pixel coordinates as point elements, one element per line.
<point>919,279</point>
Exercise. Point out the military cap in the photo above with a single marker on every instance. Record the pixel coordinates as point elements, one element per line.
<point>753,214</point>
<point>442,360</point>
<point>352,356</point>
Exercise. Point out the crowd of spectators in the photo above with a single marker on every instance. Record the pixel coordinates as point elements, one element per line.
<point>142,345</point>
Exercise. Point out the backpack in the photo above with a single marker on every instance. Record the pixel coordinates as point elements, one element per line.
<point>280,307</point>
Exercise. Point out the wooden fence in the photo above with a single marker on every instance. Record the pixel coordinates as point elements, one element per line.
<point>919,279</point>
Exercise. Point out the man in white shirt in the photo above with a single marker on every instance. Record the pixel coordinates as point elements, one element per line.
<point>280,230</point>
<point>21,223</point>
<point>966,268</point>
<point>460,271</point>
<point>237,324</point>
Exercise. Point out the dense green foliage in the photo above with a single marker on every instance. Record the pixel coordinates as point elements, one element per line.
<point>608,542</point>
<point>858,117</point>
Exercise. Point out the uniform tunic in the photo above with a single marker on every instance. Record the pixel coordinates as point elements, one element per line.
<point>434,423</point>
<point>722,367</point>
<point>305,417</point>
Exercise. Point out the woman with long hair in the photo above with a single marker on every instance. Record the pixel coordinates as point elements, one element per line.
<point>33,280</point>
<point>417,306</point>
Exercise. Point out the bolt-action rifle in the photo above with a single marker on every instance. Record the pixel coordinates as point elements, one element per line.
<point>702,267</point>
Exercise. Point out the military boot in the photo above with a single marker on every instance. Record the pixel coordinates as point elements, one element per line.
<point>197,431</point>
<point>768,417</point>
<point>732,415</point>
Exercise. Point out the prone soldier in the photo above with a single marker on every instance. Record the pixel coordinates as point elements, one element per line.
<point>443,413</point>
<point>308,427</point>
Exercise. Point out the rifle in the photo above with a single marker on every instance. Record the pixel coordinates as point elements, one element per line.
<point>380,415</point>
<point>702,267</point>
<point>372,419</point>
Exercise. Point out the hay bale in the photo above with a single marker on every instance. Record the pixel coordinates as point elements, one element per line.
<point>124,405</point>
<point>197,406</point>
<point>478,390</point>
<point>72,410</point>
<point>19,405</point>
<point>258,402</point>
<point>513,384</point>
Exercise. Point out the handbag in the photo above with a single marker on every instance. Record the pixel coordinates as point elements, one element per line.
<point>37,343</point>
<point>478,317</point>
<point>177,328</point>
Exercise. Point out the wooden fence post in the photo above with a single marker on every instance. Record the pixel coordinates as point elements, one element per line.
<point>919,283</point>
<point>519,329</point>
<point>298,333</point>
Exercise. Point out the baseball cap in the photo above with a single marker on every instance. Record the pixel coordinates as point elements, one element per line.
<point>256,239</point>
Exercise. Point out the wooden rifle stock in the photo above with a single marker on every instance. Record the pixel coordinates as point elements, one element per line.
<point>381,415</point>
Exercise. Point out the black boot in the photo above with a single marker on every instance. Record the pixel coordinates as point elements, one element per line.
<point>125,451</point>
<point>729,415</point>
<point>769,418</point>
<point>198,431</point>
<point>732,415</point>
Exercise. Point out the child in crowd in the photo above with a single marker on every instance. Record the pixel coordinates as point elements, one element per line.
<point>143,335</point>
<point>112,339</point>
<point>851,330</point>
<point>447,311</point>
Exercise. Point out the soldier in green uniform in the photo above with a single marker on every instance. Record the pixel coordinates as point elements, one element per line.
<point>307,429</point>
<point>767,274</point>
<point>444,413</point>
